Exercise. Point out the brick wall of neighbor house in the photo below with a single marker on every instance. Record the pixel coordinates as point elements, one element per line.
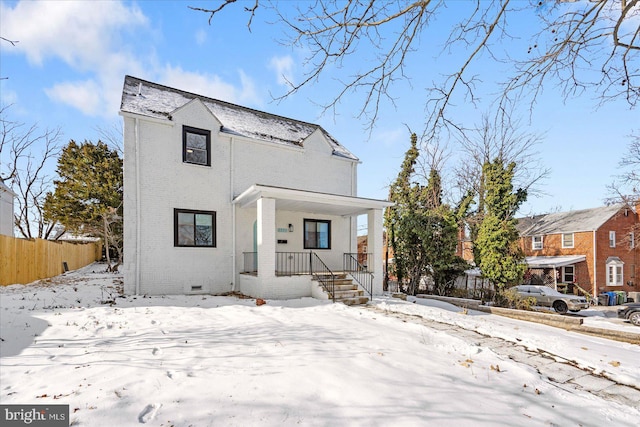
<point>583,245</point>
<point>552,246</point>
<point>165,183</point>
<point>622,224</point>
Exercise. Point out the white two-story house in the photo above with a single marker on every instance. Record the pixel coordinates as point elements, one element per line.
<point>221,198</point>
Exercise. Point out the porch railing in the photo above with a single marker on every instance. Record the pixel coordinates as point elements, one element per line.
<point>360,273</point>
<point>293,263</point>
<point>323,274</point>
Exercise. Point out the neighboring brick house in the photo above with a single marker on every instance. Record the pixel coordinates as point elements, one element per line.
<point>213,190</point>
<point>592,248</point>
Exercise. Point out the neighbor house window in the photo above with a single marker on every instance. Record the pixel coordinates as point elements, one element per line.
<point>615,273</point>
<point>632,240</point>
<point>567,240</point>
<point>194,228</point>
<point>536,242</point>
<point>317,234</point>
<point>612,239</point>
<point>196,146</point>
<point>568,274</point>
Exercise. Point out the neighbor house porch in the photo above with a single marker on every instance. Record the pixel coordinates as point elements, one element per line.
<point>558,272</point>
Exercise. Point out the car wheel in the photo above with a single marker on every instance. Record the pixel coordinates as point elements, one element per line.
<point>560,307</point>
<point>635,318</point>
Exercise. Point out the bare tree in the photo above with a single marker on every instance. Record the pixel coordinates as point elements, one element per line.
<point>626,187</point>
<point>500,138</point>
<point>578,46</point>
<point>25,172</point>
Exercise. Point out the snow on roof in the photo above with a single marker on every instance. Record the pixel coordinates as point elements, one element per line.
<point>567,222</point>
<point>157,101</point>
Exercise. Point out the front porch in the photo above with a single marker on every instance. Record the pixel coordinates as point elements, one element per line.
<point>557,272</point>
<point>352,283</point>
<point>303,240</point>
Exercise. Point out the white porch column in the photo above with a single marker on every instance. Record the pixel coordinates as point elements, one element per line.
<point>374,243</point>
<point>266,236</point>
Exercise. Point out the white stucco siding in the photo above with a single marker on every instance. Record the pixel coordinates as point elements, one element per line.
<point>166,183</point>
<point>312,167</point>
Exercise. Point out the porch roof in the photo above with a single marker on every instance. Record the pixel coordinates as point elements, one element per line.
<point>553,261</point>
<point>290,199</point>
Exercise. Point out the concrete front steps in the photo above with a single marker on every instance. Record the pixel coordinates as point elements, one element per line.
<point>347,292</point>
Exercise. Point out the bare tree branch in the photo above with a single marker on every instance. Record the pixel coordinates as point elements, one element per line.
<point>24,171</point>
<point>578,47</point>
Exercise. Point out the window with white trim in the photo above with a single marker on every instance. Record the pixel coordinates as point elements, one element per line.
<point>567,240</point>
<point>612,239</point>
<point>632,240</point>
<point>615,275</point>
<point>536,242</point>
<point>568,273</point>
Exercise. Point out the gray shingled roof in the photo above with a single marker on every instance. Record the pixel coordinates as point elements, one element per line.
<point>567,222</point>
<point>158,101</point>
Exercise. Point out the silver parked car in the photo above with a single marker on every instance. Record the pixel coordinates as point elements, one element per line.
<point>547,297</point>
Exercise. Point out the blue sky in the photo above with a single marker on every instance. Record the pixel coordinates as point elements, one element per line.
<point>68,68</point>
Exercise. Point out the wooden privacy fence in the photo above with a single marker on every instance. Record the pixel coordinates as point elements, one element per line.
<point>23,261</point>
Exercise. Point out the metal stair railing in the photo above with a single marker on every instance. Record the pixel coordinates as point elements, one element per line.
<point>359,272</point>
<point>323,274</point>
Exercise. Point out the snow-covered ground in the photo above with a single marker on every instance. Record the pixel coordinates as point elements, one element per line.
<point>210,361</point>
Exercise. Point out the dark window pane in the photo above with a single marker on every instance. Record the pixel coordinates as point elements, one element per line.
<point>317,234</point>
<point>196,156</point>
<point>185,235</point>
<point>197,141</point>
<point>195,228</point>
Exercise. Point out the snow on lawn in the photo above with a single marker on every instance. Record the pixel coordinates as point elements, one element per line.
<point>203,360</point>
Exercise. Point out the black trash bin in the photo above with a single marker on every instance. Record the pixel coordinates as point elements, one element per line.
<point>603,299</point>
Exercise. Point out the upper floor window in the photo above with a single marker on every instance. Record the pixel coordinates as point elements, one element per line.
<point>194,228</point>
<point>536,242</point>
<point>567,240</point>
<point>632,240</point>
<point>196,146</point>
<point>612,239</point>
<point>317,234</point>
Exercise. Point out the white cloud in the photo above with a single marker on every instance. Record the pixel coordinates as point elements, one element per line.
<point>79,32</point>
<point>97,40</point>
<point>201,37</point>
<point>83,95</point>
<point>390,137</point>
<point>211,86</point>
<point>283,66</point>
<point>7,97</point>
<point>87,36</point>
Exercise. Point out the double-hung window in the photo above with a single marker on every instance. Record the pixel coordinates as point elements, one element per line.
<point>194,228</point>
<point>196,146</point>
<point>612,239</point>
<point>536,242</point>
<point>317,234</point>
<point>615,272</point>
<point>567,240</point>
